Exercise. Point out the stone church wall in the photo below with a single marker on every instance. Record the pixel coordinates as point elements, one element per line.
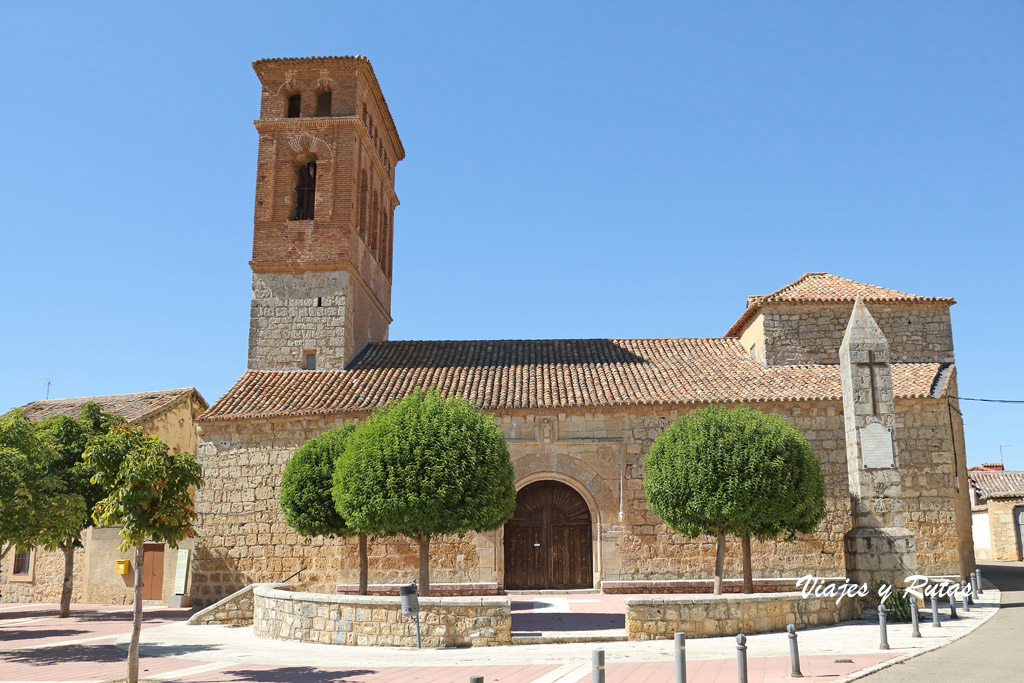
<point>806,333</point>
<point>244,538</point>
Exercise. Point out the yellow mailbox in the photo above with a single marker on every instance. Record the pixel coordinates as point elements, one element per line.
<point>122,566</point>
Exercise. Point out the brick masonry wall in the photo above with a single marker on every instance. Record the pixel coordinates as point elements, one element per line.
<point>657,618</point>
<point>803,333</point>
<point>244,538</point>
<point>1003,528</point>
<point>378,621</point>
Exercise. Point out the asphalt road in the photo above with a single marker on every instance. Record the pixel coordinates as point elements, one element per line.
<point>993,652</point>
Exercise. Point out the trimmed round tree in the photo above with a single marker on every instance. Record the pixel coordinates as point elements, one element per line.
<point>739,472</point>
<point>425,467</point>
<point>306,498</point>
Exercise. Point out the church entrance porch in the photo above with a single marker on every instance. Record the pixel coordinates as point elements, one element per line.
<point>548,542</point>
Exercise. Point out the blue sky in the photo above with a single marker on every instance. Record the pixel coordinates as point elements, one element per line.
<point>573,170</point>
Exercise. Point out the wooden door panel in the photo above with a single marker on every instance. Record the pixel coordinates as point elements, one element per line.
<point>548,540</point>
<point>152,571</point>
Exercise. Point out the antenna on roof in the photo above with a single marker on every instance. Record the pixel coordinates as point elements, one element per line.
<point>1001,447</point>
<point>47,385</point>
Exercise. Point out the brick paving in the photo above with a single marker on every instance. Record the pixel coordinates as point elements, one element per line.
<point>90,647</point>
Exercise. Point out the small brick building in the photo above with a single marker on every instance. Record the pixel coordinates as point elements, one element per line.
<point>578,414</point>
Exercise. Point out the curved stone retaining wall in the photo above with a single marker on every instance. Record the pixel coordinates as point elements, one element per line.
<point>375,620</point>
<point>653,618</point>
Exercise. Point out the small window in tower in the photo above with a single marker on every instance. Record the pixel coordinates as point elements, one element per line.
<point>21,562</point>
<point>319,302</point>
<point>323,103</point>
<point>294,106</point>
<point>305,191</point>
<point>310,363</point>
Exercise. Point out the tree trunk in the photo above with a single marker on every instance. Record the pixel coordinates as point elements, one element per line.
<point>748,574</point>
<point>133,649</point>
<point>424,542</point>
<point>719,564</point>
<point>364,569</point>
<point>68,548</point>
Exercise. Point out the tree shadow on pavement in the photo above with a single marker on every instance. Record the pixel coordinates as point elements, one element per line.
<point>98,654</point>
<point>294,674</point>
<point>27,634</point>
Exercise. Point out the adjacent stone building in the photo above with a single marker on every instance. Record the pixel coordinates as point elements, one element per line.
<point>578,414</point>
<point>38,575</point>
<point>997,498</point>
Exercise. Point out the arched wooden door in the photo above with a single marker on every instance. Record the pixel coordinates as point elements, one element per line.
<point>548,540</point>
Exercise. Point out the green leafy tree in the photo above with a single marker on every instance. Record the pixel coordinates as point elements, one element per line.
<point>739,472</point>
<point>425,467</point>
<point>306,498</point>
<point>148,495</point>
<point>68,438</point>
<point>35,508</point>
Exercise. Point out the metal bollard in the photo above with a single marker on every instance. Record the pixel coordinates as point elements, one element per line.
<point>476,679</point>
<point>965,604</point>
<point>598,666</point>
<point>680,642</point>
<point>914,619</point>
<point>935,612</point>
<point>970,589</point>
<point>974,582</point>
<point>794,653</point>
<point>977,574</point>
<point>884,644</point>
<point>741,657</point>
<point>952,606</point>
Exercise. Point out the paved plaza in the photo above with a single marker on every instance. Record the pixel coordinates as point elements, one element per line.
<point>92,646</point>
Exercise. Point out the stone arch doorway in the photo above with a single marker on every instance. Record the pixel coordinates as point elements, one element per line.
<point>548,542</point>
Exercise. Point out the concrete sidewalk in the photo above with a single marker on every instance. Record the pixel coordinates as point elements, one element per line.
<point>41,648</point>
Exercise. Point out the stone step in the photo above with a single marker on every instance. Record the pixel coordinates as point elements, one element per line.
<point>576,591</point>
<point>550,637</point>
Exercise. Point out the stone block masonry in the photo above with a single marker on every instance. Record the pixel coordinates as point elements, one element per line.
<point>656,618</point>
<point>378,621</point>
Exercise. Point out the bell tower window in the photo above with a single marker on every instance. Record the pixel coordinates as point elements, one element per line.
<point>323,103</point>
<point>305,191</point>
<point>294,106</point>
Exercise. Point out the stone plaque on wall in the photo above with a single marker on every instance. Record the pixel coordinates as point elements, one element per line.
<point>876,447</point>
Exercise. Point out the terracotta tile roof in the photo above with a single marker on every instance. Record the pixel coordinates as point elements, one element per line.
<point>565,373</point>
<point>828,288</point>
<point>1008,484</point>
<point>133,407</point>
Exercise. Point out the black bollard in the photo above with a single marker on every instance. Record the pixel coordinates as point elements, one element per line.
<point>794,653</point>
<point>974,582</point>
<point>935,612</point>
<point>741,657</point>
<point>964,594</point>
<point>914,619</point>
<point>680,642</point>
<point>952,606</point>
<point>598,661</point>
<point>884,644</point>
<point>977,574</point>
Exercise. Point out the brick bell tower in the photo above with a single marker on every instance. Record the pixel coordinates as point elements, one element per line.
<point>324,218</point>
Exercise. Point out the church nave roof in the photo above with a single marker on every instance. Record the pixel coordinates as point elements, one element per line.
<point>551,373</point>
